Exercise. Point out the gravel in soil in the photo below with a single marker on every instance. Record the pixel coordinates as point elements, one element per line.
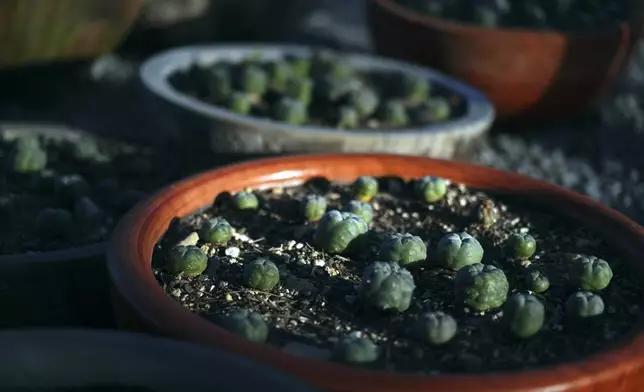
<point>316,302</point>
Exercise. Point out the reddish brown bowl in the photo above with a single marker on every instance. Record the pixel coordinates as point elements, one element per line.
<point>526,73</point>
<point>141,304</point>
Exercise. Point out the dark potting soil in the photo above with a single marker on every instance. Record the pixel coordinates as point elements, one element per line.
<point>111,176</point>
<point>316,301</point>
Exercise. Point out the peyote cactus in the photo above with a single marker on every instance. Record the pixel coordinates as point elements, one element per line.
<point>524,315</point>
<point>188,261</point>
<point>356,349</point>
<point>338,231</point>
<point>481,287</point>
<point>387,286</point>
<point>54,223</point>
<point>436,328</point>
<point>71,187</point>
<point>254,80</point>
<point>364,188</point>
<point>592,274</point>
<point>394,114</point>
<point>27,156</point>
<point>216,231</point>
<point>300,89</point>
<point>245,323</point>
<point>438,109</point>
<point>245,200</point>
<point>220,84</point>
<point>415,88</point>
<point>86,212</point>
<point>404,249</point>
<point>583,305</point>
<point>361,209</point>
<point>240,102</point>
<point>261,274</point>
<point>314,207</point>
<point>87,150</point>
<point>431,189</point>
<point>365,100</point>
<point>457,250</point>
<point>291,111</point>
<point>279,73</point>
<point>537,282</point>
<point>301,66</point>
<point>521,246</point>
<point>348,118</point>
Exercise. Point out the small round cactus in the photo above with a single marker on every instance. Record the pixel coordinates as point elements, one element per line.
<point>338,231</point>
<point>431,189</point>
<point>245,200</point>
<point>436,328</point>
<point>481,287</point>
<point>537,282</point>
<point>71,187</point>
<point>584,305</point>
<point>395,114</point>
<point>404,249</point>
<point>86,150</point>
<point>291,111</point>
<point>457,250</point>
<point>261,274</point>
<point>439,109</point>
<point>356,349</point>
<point>416,88</point>
<point>301,66</point>
<point>364,188</point>
<point>220,84</point>
<point>314,207</point>
<point>280,72</point>
<point>348,117</point>
<point>361,209</point>
<point>300,89</point>
<point>188,261</point>
<point>387,286</point>
<point>216,231</point>
<point>240,102</point>
<point>247,324</point>
<point>87,212</point>
<point>592,274</point>
<point>27,156</point>
<point>54,223</point>
<point>521,246</point>
<point>254,80</point>
<point>524,315</point>
<point>365,101</point>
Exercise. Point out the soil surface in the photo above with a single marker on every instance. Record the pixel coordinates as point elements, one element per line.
<point>315,302</point>
<point>114,177</point>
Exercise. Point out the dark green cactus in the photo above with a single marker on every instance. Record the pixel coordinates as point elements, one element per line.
<point>188,261</point>
<point>261,274</point>
<point>361,209</point>
<point>364,188</point>
<point>436,328</point>
<point>394,114</point>
<point>415,88</point>
<point>341,69</point>
<point>314,207</point>
<point>387,286</point>
<point>71,187</point>
<point>537,282</point>
<point>592,274</point>
<point>216,231</point>
<point>338,231</point>
<point>279,73</point>
<point>54,223</point>
<point>301,66</point>
<point>245,323</point>
<point>365,101</point>
<point>88,213</point>
<point>291,111</point>
<point>481,287</point>
<point>438,109</point>
<point>356,349</point>
<point>524,315</point>
<point>457,250</point>
<point>430,188</point>
<point>254,80</point>
<point>300,89</point>
<point>584,305</point>
<point>521,246</point>
<point>333,89</point>
<point>404,249</point>
<point>220,84</point>
<point>240,102</point>
<point>348,117</point>
<point>245,200</point>
<point>27,156</point>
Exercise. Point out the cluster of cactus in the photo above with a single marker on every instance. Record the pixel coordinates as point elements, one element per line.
<point>563,15</point>
<point>322,89</point>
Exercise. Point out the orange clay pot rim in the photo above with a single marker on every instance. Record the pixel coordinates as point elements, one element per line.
<point>133,280</point>
<point>466,29</point>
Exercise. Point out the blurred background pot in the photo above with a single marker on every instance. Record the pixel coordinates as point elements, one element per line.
<point>526,73</point>
<point>36,31</point>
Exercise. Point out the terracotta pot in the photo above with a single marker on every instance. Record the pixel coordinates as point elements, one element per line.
<point>526,73</point>
<point>141,303</point>
<point>37,360</point>
<point>39,31</point>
